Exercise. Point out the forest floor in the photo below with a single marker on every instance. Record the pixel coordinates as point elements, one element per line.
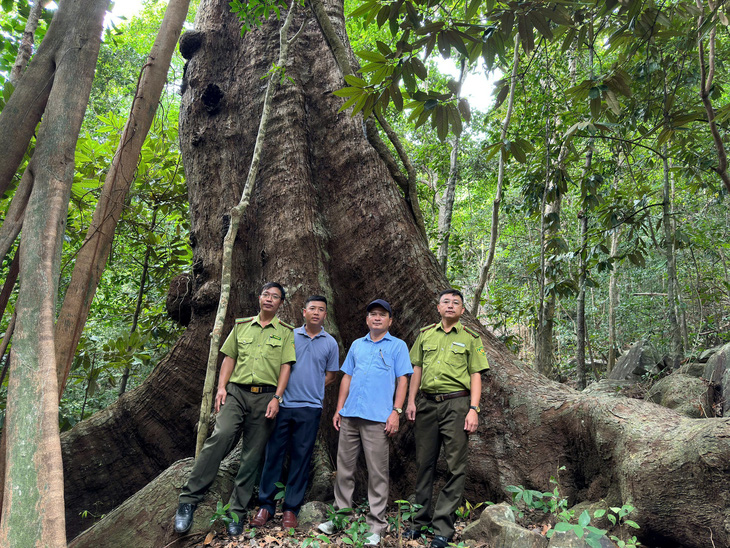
<point>274,536</point>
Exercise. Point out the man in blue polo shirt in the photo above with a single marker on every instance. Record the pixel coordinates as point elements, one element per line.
<point>376,367</point>
<point>298,419</point>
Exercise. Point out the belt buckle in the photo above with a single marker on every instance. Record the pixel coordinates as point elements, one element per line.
<point>438,398</point>
<point>255,390</point>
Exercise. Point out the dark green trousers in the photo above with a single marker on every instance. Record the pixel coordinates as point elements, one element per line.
<point>242,411</point>
<point>440,423</point>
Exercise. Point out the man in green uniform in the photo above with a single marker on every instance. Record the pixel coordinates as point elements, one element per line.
<point>447,359</point>
<point>254,374</point>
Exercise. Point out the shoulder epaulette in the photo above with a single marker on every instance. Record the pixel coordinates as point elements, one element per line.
<point>291,327</point>
<point>427,327</point>
<point>471,332</point>
<point>244,320</point>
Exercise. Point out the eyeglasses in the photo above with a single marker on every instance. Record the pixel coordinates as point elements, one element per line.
<point>272,296</point>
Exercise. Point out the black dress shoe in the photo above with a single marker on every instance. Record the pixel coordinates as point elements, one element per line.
<point>439,542</point>
<point>411,534</point>
<point>184,517</point>
<point>235,529</point>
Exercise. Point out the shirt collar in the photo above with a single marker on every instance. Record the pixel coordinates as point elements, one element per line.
<point>457,326</point>
<point>274,321</point>
<point>385,337</point>
<point>303,331</point>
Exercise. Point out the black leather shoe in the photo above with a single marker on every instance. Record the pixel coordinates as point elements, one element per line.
<point>184,517</point>
<point>411,534</point>
<point>439,542</point>
<point>235,529</point>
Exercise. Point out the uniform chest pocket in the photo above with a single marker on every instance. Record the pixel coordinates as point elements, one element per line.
<point>244,345</point>
<point>430,348</point>
<point>456,355</point>
<point>273,342</point>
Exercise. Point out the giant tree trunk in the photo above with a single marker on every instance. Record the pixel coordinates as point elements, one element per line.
<point>326,217</point>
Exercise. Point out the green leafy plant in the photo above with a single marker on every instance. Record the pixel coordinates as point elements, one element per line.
<point>315,541</point>
<point>339,518</point>
<point>222,513</point>
<point>281,492</point>
<point>583,529</point>
<point>406,510</point>
<point>466,509</point>
<point>618,516</point>
<point>356,534</point>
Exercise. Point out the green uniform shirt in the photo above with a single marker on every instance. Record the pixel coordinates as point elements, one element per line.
<point>448,359</point>
<point>259,351</point>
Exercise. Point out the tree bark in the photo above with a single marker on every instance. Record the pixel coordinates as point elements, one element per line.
<point>667,222</point>
<point>446,203</point>
<point>33,468</point>
<point>92,256</point>
<point>25,50</point>
<point>327,217</point>
<point>233,223</point>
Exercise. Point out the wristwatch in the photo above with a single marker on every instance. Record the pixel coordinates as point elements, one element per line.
<point>476,408</point>
<point>278,397</point>
<point>398,410</point>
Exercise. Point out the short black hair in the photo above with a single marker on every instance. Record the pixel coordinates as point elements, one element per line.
<point>317,298</point>
<point>452,291</point>
<point>278,286</point>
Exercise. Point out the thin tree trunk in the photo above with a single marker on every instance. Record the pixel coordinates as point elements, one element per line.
<point>140,298</point>
<point>3,348</point>
<point>235,219</point>
<point>33,464</point>
<point>9,285</point>
<point>667,215</point>
<point>16,212</point>
<point>446,204</point>
<point>94,252</point>
<point>494,230</point>
<point>580,347</point>
<point>707,75</point>
<point>613,292</point>
<point>25,50</point>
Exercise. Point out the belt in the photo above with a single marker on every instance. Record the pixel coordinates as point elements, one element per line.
<point>448,396</point>
<point>258,388</point>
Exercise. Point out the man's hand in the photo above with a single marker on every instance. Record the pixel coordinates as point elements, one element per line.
<point>220,398</point>
<point>391,425</point>
<point>411,412</point>
<point>471,422</point>
<point>336,419</point>
<point>272,409</point>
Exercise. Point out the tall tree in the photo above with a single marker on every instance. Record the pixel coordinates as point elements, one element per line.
<point>92,257</point>
<point>33,468</point>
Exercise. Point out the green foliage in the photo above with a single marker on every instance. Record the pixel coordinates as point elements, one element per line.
<point>315,541</point>
<point>582,529</point>
<point>254,13</point>
<point>221,513</point>
<point>281,493</point>
<point>466,509</point>
<point>405,511</point>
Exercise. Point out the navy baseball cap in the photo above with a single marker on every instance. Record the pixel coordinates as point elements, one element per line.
<point>381,303</point>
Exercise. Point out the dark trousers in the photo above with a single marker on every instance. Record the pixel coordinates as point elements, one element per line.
<point>242,411</point>
<point>437,423</point>
<point>295,433</point>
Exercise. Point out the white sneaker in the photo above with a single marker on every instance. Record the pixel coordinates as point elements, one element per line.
<point>328,528</point>
<point>372,539</point>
